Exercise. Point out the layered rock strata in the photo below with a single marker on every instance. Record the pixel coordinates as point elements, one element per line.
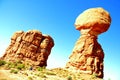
<point>87,55</point>
<point>32,47</point>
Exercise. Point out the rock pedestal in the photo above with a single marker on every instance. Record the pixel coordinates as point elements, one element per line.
<point>32,47</point>
<point>87,55</point>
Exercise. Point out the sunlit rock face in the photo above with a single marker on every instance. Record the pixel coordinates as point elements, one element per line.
<point>87,55</point>
<point>31,46</point>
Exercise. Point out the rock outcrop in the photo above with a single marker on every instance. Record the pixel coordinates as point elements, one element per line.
<point>87,55</point>
<point>32,47</point>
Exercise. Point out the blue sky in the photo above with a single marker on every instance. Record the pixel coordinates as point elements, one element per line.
<point>56,18</point>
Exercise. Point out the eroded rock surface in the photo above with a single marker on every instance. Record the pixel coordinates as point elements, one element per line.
<point>32,47</point>
<point>87,55</point>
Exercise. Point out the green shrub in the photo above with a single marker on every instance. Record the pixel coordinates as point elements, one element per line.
<point>42,76</point>
<point>37,74</point>
<point>30,78</point>
<point>14,71</point>
<point>20,66</point>
<point>50,73</point>
<point>11,65</point>
<point>94,76</point>
<point>2,62</point>
<point>69,78</point>
<point>40,68</point>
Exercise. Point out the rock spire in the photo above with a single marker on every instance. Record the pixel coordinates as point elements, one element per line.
<point>87,55</point>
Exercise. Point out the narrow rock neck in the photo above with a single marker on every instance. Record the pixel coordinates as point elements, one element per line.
<point>89,32</point>
<point>90,36</point>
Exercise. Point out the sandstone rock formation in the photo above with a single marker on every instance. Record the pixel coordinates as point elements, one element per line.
<point>32,47</point>
<point>87,55</point>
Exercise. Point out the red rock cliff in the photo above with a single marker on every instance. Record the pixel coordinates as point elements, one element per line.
<point>32,47</point>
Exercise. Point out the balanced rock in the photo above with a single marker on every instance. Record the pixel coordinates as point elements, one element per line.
<point>93,21</point>
<point>87,55</point>
<point>32,47</point>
